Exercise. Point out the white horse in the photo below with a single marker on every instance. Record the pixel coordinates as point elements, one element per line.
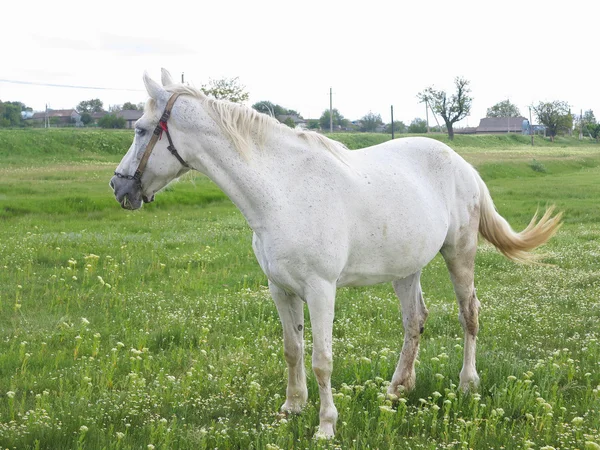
<point>325,217</point>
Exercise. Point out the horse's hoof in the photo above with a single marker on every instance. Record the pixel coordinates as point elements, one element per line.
<point>325,433</point>
<point>292,408</point>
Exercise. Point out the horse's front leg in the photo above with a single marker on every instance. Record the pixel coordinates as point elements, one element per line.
<point>320,298</point>
<point>414,314</point>
<point>291,313</point>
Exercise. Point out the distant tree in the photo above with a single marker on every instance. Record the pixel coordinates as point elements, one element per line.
<point>399,127</point>
<point>503,109</point>
<point>115,108</point>
<point>289,122</point>
<point>10,113</point>
<point>370,121</point>
<point>555,116</point>
<point>112,121</point>
<point>130,106</point>
<point>587,122</point>
<point>90,106</point>
<point>313,124</point>
<point>3,121</point>
<point>269,108</point>
<point>338,120</point>
<point>20,105</point>
<point>86,118</point>
<point>417,126</point>
<point>452,109</point>
<point>593,131</point>
<point>568,125</point>
<point>588,117</point>
<point>226,89</point>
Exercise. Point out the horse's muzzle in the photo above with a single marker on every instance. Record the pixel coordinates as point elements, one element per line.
<point>127,193</point>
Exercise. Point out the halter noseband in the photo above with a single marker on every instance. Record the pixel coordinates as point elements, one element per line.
<point>162,126</point>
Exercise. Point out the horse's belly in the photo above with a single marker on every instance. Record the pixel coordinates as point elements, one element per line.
<point>388,260</point>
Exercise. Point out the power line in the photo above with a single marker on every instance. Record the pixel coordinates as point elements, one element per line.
<point>68,86</point>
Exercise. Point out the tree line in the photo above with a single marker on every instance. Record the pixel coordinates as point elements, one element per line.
<point>452,107</point>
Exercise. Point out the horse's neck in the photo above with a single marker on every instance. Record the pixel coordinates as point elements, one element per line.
<point>258,183</point>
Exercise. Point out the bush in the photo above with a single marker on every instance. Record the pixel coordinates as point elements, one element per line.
<point>111,121</point>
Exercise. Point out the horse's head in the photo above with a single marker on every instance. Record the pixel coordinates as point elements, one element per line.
<point>154,158</point>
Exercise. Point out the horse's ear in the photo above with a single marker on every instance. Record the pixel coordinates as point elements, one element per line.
<point>165,77</point>
<point>154,89</point>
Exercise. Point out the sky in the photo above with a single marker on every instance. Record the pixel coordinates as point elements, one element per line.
<point>371,54</point>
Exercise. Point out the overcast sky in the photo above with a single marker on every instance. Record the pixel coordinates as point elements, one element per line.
<point>373,54</point>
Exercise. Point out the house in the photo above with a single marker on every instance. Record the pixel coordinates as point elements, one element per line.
<point>130,116</point>
<point>465,130</point>
<point>58,117</point>
<point>298,121</point>
<point>491,125</point>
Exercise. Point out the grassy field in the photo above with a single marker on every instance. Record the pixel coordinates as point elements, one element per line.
<point>155,329</point>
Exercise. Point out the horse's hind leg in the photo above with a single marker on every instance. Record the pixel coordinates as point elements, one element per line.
<point>291,313</point>
<point>414,314</point>
<point>460,260</point>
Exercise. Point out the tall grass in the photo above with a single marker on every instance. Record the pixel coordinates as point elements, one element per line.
<point>154,329</point>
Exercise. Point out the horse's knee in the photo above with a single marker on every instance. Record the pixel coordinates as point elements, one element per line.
<point>293,352</point>
<point>322,365</point>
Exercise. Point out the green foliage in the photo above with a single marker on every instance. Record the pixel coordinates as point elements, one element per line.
<point>355,141</point>
<point>313,124</point>
<point>452,109</point>
<point>593,130</point>
<point>588,125</point>
<point>417,126</point>
<point>38,146</point>
<point>370,122</point>
<point>289,122</point>
<point>537,166</point>
<point>86,118</point>
<point>90,106</point>
<point>555,116</point>
<point>399,127</point>
<point>226,89</point>
<point>339,121</point>
<point>131,106</point>
<point>10,114</point>
<point>112,121</point>
<point>269,108</point>
<point>503,109</point>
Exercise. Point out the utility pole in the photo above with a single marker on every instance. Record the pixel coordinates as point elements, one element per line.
<point>392,109</point>
<point>330,111</point>
<point>182,78</point>
<point>435,117</point>
<point>580,124</point>
<point>530,126</point>
<point>427,115</point>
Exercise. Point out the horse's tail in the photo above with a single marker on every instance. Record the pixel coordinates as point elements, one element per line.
<point>516,246</point>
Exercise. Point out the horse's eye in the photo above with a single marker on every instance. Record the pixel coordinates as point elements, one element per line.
<point>140,131</point>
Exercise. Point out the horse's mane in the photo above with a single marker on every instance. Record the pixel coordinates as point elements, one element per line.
<point>241,123</point>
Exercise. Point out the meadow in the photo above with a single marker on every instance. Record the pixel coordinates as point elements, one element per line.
<point>154,329</point>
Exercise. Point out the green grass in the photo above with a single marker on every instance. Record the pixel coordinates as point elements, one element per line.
<point>119,330</point>
<point>27,147</point>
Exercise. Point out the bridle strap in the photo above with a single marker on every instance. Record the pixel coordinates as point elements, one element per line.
<point>162,126</point>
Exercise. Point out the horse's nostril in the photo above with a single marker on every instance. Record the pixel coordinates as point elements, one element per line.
<point>112,185</point>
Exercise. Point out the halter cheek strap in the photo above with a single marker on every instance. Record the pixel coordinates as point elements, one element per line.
<point>158,131</point>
